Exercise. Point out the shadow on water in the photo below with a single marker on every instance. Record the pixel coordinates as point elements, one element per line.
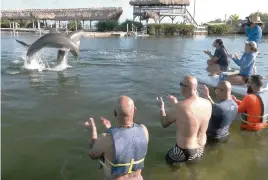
<point>43,112</point>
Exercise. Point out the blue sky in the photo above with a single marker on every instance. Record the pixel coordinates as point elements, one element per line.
<point>206,10</point>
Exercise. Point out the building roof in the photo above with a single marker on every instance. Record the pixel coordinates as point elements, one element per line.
<point>93,14</point>
<point>159,2</point>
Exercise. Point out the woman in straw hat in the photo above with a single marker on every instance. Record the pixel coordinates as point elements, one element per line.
<point>254,31</point>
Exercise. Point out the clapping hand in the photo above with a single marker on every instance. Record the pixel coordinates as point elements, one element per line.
<point>206,91</point>
<point>105,122</point>
<point>160,102</point>
<point>236,56</point>
<point>92,126</point>
<point>173,99</point>
<point>207,52</point>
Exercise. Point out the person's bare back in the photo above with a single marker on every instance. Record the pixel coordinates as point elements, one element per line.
<point>192,117</point>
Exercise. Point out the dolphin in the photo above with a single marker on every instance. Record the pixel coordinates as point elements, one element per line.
<point>74,36</point>
<point>54,40</point>
<point>51,40</point>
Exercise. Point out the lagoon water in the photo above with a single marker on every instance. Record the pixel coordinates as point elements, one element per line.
<point>43,112</point>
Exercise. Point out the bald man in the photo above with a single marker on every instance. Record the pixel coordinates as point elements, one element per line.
<point>191,117</point>
<point>122,148</point>
<point>223,113</point>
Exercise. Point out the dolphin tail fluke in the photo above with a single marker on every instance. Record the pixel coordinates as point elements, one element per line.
<point>23,43</point>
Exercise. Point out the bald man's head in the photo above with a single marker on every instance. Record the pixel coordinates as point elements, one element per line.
<point>225,85</point>
<point>124,107</point>
<point>223,90</point>
<point>190,82</point>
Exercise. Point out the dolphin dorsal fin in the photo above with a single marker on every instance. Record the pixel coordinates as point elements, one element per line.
<point>54,30</point>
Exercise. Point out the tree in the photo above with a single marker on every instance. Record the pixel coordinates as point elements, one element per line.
<point>104,26</point>
<point>71,25</point>
<point>216,21</point>
<point>234,19</point>
<point>123,25</point>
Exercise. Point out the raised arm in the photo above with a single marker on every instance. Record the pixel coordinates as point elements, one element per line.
<point>166,119</point>
<point>245,61</point>
<point>99,147</point>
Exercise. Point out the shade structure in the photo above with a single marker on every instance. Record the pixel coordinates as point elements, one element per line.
<point>159,2</point>
<point>88,14</point>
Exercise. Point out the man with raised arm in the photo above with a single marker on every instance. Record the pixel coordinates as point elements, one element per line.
<point>223,113</point>
<point>122,148</point>
<point>191,117</point>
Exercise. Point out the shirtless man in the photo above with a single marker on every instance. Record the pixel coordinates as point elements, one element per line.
<point>122,148</point>
<point>191,116</point>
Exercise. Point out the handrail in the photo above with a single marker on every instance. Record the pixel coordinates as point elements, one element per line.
<point>192,19</point>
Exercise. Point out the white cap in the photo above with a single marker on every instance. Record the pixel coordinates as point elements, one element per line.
<point>253,44</point>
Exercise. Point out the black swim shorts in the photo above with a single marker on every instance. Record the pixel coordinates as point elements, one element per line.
<point>179,155</point>
<point>245,77</point>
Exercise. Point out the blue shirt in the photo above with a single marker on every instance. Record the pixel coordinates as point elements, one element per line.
<point>223,59</point>
<point>254,34</point>
<point>222,116</point>
<point>246,63</point>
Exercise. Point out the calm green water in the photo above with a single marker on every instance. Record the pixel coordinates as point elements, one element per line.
<point>43,136</point>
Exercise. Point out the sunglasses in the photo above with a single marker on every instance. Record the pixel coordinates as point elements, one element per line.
<point>181,84</point>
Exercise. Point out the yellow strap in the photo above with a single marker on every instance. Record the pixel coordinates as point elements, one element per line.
<point>251,122</point>
<point>130,167</point>
<point>119,165</point>
<point>127,164</point>
<point>104,165</point>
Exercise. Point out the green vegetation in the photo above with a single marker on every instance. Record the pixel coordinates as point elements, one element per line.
<point>170,29</point>
<point>111,25</point>
<point>71,25</point>
<point>123,25</point>
<point>104,26</point>
<point>219,29</point>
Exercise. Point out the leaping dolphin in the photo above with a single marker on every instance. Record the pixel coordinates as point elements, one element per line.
<point>54,40</point>
<point>57,40</point>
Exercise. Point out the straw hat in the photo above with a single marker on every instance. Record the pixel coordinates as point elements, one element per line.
<point>256,18</point>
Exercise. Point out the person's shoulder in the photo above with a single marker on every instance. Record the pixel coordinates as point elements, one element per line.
<point>205,101</point>
<point>258,27</point>
<point>249,98</point>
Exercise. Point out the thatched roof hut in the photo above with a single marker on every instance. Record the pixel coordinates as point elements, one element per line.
<point>87,14</point>
<point>159,2</point>
<point>40,15</point>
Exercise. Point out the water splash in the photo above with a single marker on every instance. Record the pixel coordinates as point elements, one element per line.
<point>38,62</point>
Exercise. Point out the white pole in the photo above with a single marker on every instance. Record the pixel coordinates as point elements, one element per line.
<point>194,8</point>
<point>40,33</point>
<point>127,27</point>
<point>67,27</point>
<point>14,28</point>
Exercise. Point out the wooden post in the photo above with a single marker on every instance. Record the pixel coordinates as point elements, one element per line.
<point>127,27</point>
<point>76,24</point>
<point>67,27</point>
<point>83,24</point>
<point>90,24</point>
